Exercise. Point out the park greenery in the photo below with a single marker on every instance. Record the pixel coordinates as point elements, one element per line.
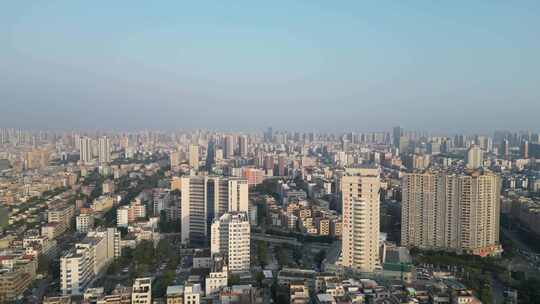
<point>143,261</point>
<point>261,256</point>
<point>476,272</point>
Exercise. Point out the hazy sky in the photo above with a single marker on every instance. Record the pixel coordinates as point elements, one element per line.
<point>302,65</point>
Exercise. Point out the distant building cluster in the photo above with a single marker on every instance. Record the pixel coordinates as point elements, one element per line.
<point>263,217</point>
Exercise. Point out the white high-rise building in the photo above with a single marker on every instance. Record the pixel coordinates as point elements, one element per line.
<point>243,145</point>
<point>194,156</point>
<point>238,195</point>
<point>95,148</point>
<point>115,237</point>
<point>229,147</point>
<point>454,212</point>
<point>77,141</point>
<point>174,158</point>
<point>87,259</point>
<point>218,155</point>
<point>142,291</point>
<point>104,150</point>
<point>474,157</point>
<point>85,148</point>
<point>231,238</point>
<point>113,241</point>
<point>122,216</point>
<point>193,209</point>
<point>84,222</point>
<point>76,270</point>
<point>204,199</point>
<point>360,234</point>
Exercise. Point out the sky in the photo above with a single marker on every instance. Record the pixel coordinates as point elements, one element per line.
<point>467,66</point>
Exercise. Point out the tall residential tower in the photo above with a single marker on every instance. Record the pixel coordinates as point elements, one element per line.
<point>231,238</point>
<point>451,211</point>
<point>360,195</point>
<point>104,150</point>
<point>205,198</point>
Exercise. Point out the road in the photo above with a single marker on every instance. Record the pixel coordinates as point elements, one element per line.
<point>275,239</point>
<point>497,290</point>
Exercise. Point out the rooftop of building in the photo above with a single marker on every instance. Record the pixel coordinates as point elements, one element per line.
<point>175,290</point>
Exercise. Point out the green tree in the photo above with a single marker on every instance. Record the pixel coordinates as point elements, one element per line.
<point>163,249</point>
<point>261,214</point>
<point>278,294</point>
<point>297,255</point>
<point>262,253</point>
<point>160,285</point>
<point>485,294</point>
<point>163,224</point>
<point>174,260</point>
<point>234,279</point>
<point>44,264</point>
<point>144,253</point>
<point>142,270</point>
<point>259,277</point>
<point>114,267</point>
<point>281,256</point>
<point>528,291</point>
<point>319,258</point>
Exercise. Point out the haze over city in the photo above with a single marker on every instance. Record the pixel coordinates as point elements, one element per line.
<point>307,65</point>
<point>283,152</point>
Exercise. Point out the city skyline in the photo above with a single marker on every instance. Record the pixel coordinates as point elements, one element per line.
<point>263,130</point>
<point>246,66</point>
<point>269,152</point>
<point>141,216</point>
